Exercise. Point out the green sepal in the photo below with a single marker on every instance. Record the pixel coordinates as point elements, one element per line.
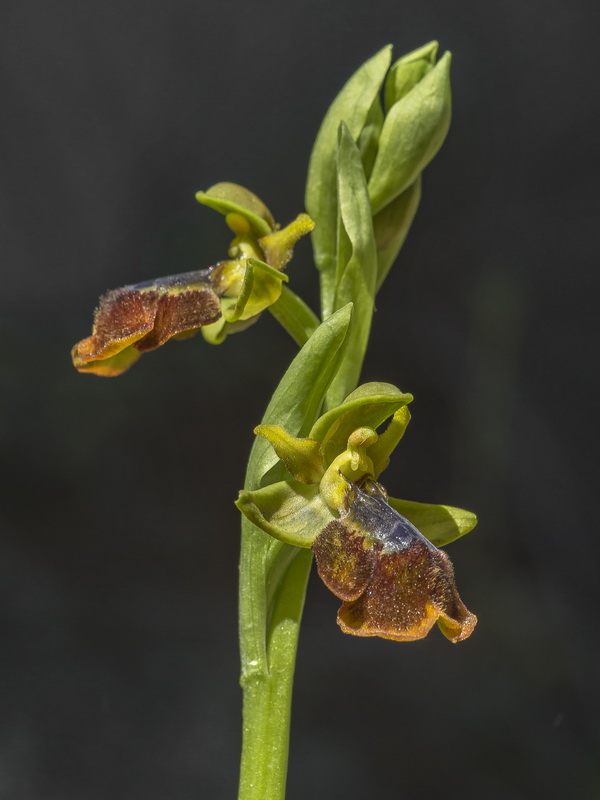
<point>391,226</point>
<point>218,331</point>
<point>414,130</point>
<point>288,510</point>
<point>367,406</point>
<point>303,458</point>
<point>235,200</point>
<point>260,289</point>
<point>407,72</point>
<point>356,270</point>
<point>352,106</point>
<point>439,524</point>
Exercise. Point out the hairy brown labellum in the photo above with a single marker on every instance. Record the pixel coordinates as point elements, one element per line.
<point>134,319</point>
<point>393,581</point>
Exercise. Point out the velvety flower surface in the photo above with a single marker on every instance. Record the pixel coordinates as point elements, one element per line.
<point>134,319</point>
<point>378,554</point>
<point>223,299</point>
<point>393,581</point>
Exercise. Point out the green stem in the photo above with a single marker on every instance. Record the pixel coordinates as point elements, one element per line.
<point>273,579</point>
<point>268,692</point>
<point>273,575</point>
<point>295,316</point>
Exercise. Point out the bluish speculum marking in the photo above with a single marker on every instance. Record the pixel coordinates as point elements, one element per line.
<point>383,522</point>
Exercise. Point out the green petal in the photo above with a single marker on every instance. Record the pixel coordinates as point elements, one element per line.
<point>352,106</point>
<point>230,198</point>
<point>439,524</point>
<point>278,246</point>
<point>381,451</point>
<point>288,510</point>
<point>367,406</point>
<point>303,458</point>
<point>407,72</point>
<point>391,226</point>
<point>414,130</point>
<point>357,262</point>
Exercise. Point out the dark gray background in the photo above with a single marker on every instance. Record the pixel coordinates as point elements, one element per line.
<point>118,666</point>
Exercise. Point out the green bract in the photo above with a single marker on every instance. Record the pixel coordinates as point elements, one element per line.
<point>356,268</point>
<point>353,106</point>
<point>341,450</point>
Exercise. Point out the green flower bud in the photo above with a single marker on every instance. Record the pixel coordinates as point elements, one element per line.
<point>413,131</point>
<point>407,72</point>
<point>393,149</point>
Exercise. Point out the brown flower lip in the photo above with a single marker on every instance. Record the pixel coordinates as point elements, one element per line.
<point>137,318</point>
<point>393,582</point>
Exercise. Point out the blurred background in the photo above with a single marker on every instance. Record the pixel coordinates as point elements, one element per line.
<point>119,538</point>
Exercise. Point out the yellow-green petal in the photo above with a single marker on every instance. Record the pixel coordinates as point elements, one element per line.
<point>381,451</point>
<point>440,524</point>
<point>278,246</point>
<point>303,458</point>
